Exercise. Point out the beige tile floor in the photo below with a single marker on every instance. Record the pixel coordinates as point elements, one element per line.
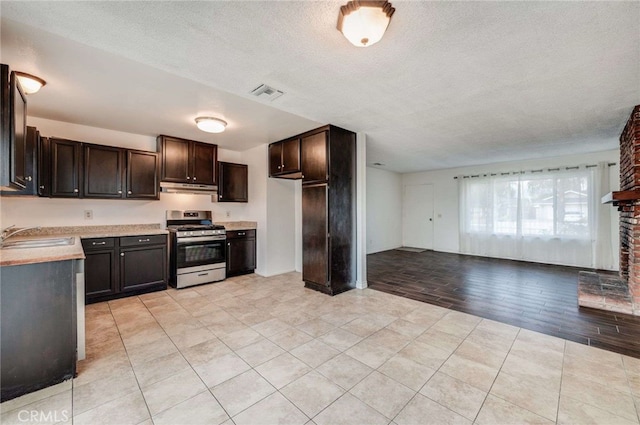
<point>253,350</point>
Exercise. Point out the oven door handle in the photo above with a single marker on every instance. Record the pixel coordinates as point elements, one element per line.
<point>200,239</point>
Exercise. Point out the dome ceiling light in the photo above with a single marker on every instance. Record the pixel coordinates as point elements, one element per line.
<point>363,22</point>
<point>211,124</point>
<point>30,83</point>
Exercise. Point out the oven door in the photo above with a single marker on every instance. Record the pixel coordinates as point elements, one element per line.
<point>198,251</point>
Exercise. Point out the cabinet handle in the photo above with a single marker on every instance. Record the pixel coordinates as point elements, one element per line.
<point>228,243</point>
<point>188,178</point>
<point>143,240</point>
<point>303,176</point>
<point>241,233</point>
<point>98,243</point>
<point>122,254</point>
<point>194,178</point>
<point>279,166</point>
<point>75,190</point>
<point>203,274</point>
<point>119,192</point>
<point>28,178</point>
<point>128,192</point>
<point>42,187</point>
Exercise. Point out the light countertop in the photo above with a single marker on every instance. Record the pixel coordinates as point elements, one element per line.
<point>238,225</point>
<point>22,256</point>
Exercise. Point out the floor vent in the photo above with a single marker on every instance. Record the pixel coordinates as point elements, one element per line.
<point>266,92</point>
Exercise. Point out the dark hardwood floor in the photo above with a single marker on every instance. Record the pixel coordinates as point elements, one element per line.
<point>538,297</point>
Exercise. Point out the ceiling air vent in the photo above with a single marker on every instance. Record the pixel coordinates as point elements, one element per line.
<point>266,92</point>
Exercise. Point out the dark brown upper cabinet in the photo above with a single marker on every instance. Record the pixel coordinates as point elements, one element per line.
<point>142,175</point>
<point>66,157</point>
<point>284,159</point>
<point>233,182</point>
<point>313,154</point>
<point>44,166</point>
<point>187,161</point>
<point>103,169</point>
<point>30,166</point>
<point>106,172</point>
<point>14,154</point>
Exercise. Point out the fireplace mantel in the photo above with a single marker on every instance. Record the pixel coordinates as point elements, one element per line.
<point>621,197</point>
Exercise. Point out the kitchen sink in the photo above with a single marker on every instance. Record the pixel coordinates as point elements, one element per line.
<point>38,243</point>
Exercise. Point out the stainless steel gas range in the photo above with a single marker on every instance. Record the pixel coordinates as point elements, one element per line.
<point>197,251</point>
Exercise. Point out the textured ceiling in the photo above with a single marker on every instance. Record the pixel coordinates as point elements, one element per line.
<point>450,84</point>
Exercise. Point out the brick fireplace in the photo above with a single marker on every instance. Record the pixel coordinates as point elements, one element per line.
<point>621,293</point>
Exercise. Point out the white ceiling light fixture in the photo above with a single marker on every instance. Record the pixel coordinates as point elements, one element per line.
<point>30,83</point>
<point>211,124</point>
<point>363,22</point>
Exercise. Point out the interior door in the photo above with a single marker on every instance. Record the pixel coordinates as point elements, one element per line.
<point>417,216</point>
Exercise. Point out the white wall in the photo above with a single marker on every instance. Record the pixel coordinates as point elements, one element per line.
<point>384,210</point>
<point>446,226</point>
<point>256,160</point>
<point>281,231</point>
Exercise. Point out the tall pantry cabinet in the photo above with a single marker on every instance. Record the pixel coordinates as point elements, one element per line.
<point>327,170</point>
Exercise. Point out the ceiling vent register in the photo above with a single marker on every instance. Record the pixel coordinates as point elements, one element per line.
<point>266,92</point>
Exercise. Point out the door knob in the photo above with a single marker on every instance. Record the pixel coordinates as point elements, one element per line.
<point>430,219</point>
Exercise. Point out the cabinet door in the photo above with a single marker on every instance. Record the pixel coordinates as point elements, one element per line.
<point>44,167</point>
<point>65,168</point>
<point>204,163</point>
<point>103,166</point>
<point>233,182</point>
<point>100,273</point>
<point>142,175</point>
<point>275,159</point>
<point>176,166</point>
<point>30,166</point>
<point>143,267</point>
<point>18,140</point>
<point>315,238</point>
<point>241,256</point>
<point>313,153</point>
<point>291,156</point>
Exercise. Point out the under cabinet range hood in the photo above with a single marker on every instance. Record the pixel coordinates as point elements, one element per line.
<point>197,189</point>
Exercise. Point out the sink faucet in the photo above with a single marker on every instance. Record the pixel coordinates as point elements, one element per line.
<point>6,233</point>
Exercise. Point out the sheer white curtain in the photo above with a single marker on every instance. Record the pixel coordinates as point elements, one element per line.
<point>545,216</point>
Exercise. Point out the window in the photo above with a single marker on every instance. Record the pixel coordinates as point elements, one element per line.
<point>536,205</point>
<point>548,217</point>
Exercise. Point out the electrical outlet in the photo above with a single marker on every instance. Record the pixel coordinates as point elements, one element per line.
<point>228,214</point>
<point>88,214</point>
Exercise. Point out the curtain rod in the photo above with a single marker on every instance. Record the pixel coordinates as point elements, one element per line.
<point>610,164</point>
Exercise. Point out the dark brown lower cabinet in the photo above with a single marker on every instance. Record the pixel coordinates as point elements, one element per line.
<point>241,252</point>
<point>100,265</point>
<point>143,262</point>
<point>119,267</point>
